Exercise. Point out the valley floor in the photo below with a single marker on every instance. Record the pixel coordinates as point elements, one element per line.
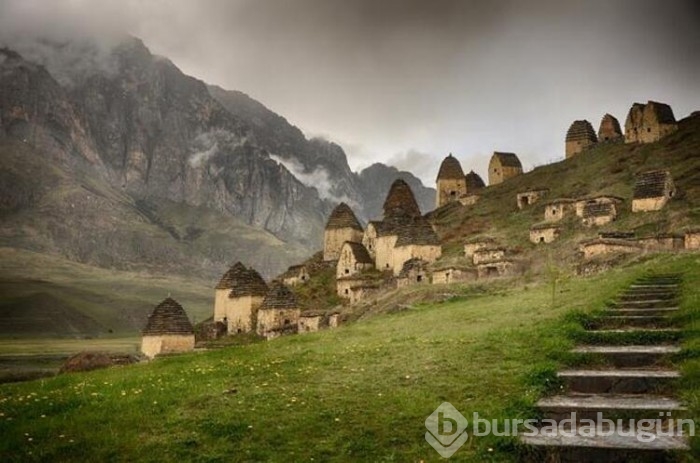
<point>361,392</point>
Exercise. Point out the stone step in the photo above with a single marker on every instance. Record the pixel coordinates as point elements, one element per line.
<point>647,296</point>
<point>631,335</point>
<point>652,311</point>
<point>630,356</point>
<point>648,304</point>
<point>654,286</point>
<point>610,406</point>
<point>578,447</point>
<point>633,321</point>
<point>619,381</point>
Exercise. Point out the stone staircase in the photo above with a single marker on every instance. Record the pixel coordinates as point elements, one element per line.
<point>633,341</point>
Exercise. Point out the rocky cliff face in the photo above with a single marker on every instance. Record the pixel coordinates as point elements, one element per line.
<point>157,152</point>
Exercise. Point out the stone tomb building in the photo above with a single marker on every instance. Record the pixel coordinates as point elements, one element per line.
<point>544,233</point>
<point>609,131</point>
<point>168,330</point>
<point>652,190</point>
<point>579,137</point>
<point>353,259</point>
<point>238,296</point>
<point>451,182</point>
<point>598,211</point>
<point>295,275</point>
<point>692,239</point>
<point>403,233</point>
<point>414,272</point>
<point>556,210</point>
<point>453,274</point>
<point>452,185</point>
<point>342,226</point>
<point>604,246</point>
<point>310,321</point>
<point>503,166</point>
<point>527,198</point>
<point>647,123</point>
<point>279,313</point>
<point>471,246</point>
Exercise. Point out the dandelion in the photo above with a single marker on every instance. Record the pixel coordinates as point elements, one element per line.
<point>43,416</point>
<point>337,420</point>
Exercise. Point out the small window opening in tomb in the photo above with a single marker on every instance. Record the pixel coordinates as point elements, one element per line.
<point>387,265</point>
<point>607,138</point>
<point>286,321</point>
<point>578,142</point>
<point>347,270</point>
<point>554,211</point>
<point>453,193</point>
<point>239,331</point>
<point>648,129</point>
<point>370,247</point>
<point>541,239</point>
<point>303,278</point>
<point>346,291</point>
<point>447,275</point>
<point>419,278</point>
<point>525,200</point>
<point>308,328</point>
<point>491,271</point>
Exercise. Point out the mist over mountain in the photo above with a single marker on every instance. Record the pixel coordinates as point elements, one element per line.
<point>112,156</point>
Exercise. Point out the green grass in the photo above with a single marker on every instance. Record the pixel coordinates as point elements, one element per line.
<point>113,300</point>
<point>357,393</point>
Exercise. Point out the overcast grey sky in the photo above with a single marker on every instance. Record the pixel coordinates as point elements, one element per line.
<point>406,82</point>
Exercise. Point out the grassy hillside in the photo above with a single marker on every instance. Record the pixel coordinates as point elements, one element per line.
<point>605,169</point>
<point>357,393</point>
<point>47,296</point>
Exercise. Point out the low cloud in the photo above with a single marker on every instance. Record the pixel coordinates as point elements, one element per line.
<point>207,144</point>
<point>319,179</point>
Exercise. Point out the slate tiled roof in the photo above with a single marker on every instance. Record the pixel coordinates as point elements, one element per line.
<point>651,184</point>
<point>581,131</point>
<point>609,127</point>
<point>168,318</point>
<point>400,201</point>
<point>507,159</point>
<point>230,277</point>
<point>343,217</point>
<point>662,111</point>
<point>450,169</point>
<point>474,181</point>
<point>417,232</point>
<point>243,281</point>
<point>279,297</point>
<point>359,252</point>
<point>596,209</point>
<point>412,264</point>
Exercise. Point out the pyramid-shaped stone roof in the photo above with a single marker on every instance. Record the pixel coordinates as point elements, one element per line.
<point>609,128</point>
<point>400,201</point>
<point>168,318</point>
<point>231,276</point>
<point>450,169</point>
<point>581,131</point>
<point>651,184</point>
<point>662,112</point>
<point>359,252</point>
<point>474,181</point>
<point>279,297</point>
<point>243,281</point>
<point>343,217</point>
<point>417,232</point>
<point>506,159</point>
